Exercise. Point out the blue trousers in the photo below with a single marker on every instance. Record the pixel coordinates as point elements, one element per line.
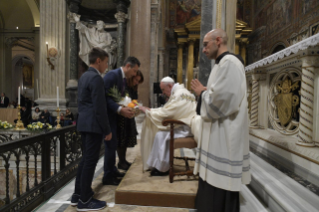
<point>110,158</point>
<point>91,145</point>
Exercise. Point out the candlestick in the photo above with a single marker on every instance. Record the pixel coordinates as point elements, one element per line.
<point>57,96</point>
<point>58,126</point>
<point>19,124</point>
<point>19,96</point>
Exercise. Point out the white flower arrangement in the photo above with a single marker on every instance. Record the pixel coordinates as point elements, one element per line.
<point>5,125</point>
<point>39,126</point>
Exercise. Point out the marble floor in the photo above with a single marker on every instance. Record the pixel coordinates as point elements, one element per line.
<point>60,202</point>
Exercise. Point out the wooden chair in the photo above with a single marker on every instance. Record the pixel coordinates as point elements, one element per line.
<point>175,143</point>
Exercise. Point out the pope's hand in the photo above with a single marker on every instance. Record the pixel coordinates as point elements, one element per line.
<point>143,109</point>
<point>127,112</point>
<point>197,87</point>
<point>108,137</point>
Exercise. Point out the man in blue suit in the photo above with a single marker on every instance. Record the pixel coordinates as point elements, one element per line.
<point>116,78</point>
<point>93,123</point>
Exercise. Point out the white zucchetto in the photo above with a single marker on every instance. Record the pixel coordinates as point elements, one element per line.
<point>168,80</point>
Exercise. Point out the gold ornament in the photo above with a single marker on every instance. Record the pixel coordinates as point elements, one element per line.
<point>285,101</point>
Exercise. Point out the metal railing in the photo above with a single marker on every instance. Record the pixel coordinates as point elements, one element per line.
<point>50,160</point>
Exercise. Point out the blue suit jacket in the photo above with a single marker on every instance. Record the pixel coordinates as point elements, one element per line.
<point>91,104</point>
<point>111,79</point>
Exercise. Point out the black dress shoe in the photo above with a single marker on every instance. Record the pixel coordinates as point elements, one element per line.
<point>111,181</point>
<point>123,167</point>
<point>155,172</point>
<point>118,174</point>
<point>128,163</point>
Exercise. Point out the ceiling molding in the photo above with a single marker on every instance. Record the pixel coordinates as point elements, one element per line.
<point>34,7</point>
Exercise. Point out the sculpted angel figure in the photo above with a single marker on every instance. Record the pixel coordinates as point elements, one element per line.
<point>95,37</point>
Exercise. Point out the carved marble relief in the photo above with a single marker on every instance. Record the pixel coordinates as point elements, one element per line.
<point>284,101</point>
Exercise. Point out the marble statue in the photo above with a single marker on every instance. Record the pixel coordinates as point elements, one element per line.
<point>95,37</point>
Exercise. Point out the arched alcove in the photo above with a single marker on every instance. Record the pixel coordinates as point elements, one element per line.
<point>23,76</point>
<point>277,47</point>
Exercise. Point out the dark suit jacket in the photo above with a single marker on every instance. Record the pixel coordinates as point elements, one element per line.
<point>111,79</point>
<point>91,104</point>
<point>5,102</point>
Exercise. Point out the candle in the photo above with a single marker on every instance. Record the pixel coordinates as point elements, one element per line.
<point>47,49</point>
<point>19,96</point>
<point>57,96</point>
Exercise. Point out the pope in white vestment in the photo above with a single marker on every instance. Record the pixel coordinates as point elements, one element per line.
<point>181,105</point>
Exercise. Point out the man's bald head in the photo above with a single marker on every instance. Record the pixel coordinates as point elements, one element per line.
<point>215,43</point>
<point>213,34</point>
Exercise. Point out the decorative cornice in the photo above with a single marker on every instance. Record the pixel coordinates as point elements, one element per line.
<point>302,45</point>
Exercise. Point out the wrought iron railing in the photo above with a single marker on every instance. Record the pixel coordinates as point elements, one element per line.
<point>36,167</point>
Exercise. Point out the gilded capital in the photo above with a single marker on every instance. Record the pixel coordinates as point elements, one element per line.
<point>191,40</point>
<point>121,17</point>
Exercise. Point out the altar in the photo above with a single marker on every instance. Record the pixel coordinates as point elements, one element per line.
<point>283,97</point>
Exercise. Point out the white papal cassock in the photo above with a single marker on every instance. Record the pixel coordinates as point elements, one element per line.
<point>181,106</point>
<point>222,157</point>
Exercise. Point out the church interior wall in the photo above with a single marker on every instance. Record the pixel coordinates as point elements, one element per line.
<point>277,21</point>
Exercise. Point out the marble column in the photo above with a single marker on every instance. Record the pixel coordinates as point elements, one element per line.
<point>306,120</point>
<point>140,21</point>
<point>154,50</point>
<point>205,64</point>
<point>254,101</point>
<point>229,16</point>
<point>52,30</point>
<point>74,51</point>
<point>190,62</point>
<point>161,63</point>
<point>180,63</point>
<point>72,84</point>
<point>121,19</point>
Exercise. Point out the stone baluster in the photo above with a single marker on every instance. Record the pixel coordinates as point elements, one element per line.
<point>305,136</point>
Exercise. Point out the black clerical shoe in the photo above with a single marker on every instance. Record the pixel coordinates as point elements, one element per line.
<point>155,172</point>
<point>111,181</point>
<point>118,174</point>
<point>128,163</point>
<point>124,167</point>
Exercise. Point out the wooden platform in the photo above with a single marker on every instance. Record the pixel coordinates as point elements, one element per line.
<point>138,188</point>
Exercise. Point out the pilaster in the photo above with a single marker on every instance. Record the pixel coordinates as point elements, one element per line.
<point>52,30</point>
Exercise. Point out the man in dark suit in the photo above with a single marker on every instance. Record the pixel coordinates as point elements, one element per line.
<point>116,78</point>
<point>93,123</point>
<point>4,101</point>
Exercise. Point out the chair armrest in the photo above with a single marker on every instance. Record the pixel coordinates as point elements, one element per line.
<point>166,122</point>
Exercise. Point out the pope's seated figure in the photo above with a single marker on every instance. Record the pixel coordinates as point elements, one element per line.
<point>155,137</point>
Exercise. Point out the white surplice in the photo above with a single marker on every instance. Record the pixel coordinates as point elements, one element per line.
<point>159,157</point>
<point>222,157</point>
<point>181,106</point>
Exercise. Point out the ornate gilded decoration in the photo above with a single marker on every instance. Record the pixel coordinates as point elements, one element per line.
<point>283,101</point>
